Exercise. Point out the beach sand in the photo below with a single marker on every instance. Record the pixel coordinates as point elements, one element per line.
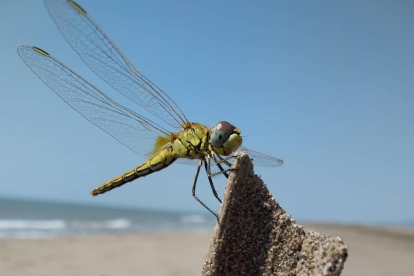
<point>372,251</point>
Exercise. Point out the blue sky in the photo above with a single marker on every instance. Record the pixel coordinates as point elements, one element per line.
<point>325,85</point>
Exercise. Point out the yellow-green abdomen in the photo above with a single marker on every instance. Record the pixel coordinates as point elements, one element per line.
<point>158,161</point>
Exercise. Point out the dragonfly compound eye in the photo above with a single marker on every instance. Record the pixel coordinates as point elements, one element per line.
<point>221,133</point>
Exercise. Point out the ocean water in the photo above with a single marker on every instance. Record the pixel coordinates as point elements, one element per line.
<point>20,219</point>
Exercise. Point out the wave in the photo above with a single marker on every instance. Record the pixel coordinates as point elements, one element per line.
<point>106,224</point>
<point>16,224</point>
<point>36,228</point>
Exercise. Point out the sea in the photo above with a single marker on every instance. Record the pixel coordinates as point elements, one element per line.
<point>25,219</point>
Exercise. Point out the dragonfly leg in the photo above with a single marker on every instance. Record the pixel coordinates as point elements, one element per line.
<point>194,188</point>
<point>219,162</point>
<point>222,172</point>
<point>220,167</point>
<point>207,167</point>
<point>224,160</point>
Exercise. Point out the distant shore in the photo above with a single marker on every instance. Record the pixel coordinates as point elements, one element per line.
<point>372,251</point>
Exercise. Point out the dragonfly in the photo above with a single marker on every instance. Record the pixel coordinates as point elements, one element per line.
<point>172,139</point>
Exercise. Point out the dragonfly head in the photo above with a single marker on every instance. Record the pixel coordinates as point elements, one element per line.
<point>225,138</point>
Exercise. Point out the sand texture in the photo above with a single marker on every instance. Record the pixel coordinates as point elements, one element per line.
<point>255,236</point>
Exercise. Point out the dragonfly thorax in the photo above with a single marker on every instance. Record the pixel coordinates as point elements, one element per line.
<point>192,143</point>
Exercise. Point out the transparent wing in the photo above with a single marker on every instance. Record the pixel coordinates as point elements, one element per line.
<point>134,131</point>
<point>184,161</point>
<point>261,159</point>
<point>101,54</point>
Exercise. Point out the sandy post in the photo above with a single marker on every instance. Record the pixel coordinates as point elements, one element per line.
<point>255,236</point>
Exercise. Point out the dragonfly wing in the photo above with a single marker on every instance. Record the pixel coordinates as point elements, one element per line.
<point>134,131</point>
<point>184,161</point>
<point>261,159</point>
<point>101,54</point>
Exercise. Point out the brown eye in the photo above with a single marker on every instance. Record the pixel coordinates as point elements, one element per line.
<point>220,133</point>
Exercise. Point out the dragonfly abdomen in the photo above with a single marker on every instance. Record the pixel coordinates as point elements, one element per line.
<point>157,162</point>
